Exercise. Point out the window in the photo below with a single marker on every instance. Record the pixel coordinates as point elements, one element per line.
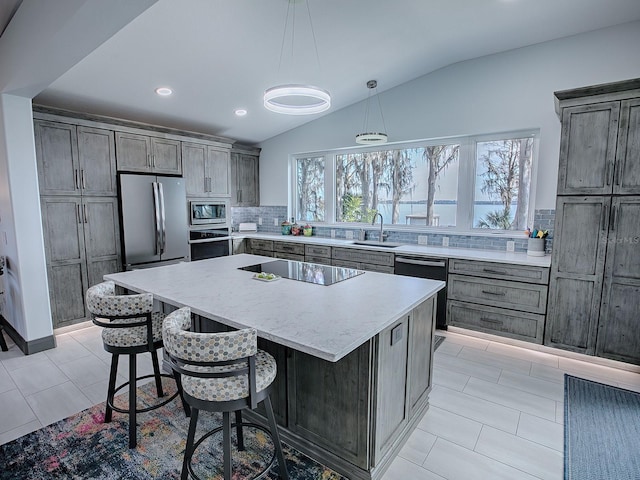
<point>503,178</point>
<point>463,183</point>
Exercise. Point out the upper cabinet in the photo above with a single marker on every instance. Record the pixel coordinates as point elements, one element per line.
<point>142,153</point>
<point>245,179</point>
<point>206,170</point>
<point>75,160</point>
<point>600,149</point>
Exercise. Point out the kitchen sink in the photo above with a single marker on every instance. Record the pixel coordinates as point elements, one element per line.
<point>375,243</point>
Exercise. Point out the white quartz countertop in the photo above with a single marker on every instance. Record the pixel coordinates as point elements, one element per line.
<point>420,250</point>
<point>328,322</point>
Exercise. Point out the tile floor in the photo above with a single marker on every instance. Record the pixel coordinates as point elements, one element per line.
<point>496,410</point>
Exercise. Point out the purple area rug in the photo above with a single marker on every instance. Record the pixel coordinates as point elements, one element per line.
<point>83,447</point>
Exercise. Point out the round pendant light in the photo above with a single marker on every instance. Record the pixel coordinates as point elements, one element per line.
<point>295,99</point>
<point>372,138</point>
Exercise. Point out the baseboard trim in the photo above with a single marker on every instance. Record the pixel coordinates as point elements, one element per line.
<point>28,347</point>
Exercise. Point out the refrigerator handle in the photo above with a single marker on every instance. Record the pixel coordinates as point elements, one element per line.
<point>163,226</point>
<point>156,204</point>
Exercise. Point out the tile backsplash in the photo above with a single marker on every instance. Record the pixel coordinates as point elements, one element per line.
<point>543,220</point>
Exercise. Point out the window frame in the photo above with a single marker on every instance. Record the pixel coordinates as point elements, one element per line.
<point>466,181</point>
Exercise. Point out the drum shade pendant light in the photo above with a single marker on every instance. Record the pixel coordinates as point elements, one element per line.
<point>292,98</point>
<point>368,137</point>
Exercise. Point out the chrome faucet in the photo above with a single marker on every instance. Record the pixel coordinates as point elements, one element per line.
<point>373,222</point>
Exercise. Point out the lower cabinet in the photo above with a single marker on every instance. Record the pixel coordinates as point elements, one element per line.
<point>82,243</point>
<point>361,259</point>
<point>501,299</point>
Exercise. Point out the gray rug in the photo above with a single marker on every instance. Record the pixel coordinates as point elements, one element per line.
<point>601,431</point>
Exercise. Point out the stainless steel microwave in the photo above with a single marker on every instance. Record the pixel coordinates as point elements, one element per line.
<point>208,212</point>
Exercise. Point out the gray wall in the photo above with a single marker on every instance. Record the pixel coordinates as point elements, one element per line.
<point>507,91</point>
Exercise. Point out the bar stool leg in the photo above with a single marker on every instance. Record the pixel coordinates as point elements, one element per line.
<point>282,466</point>
<point>226,444</point>
<point>239,430</point>
<point>3,342</point>
<point>132,400</point>
<point>156,372</point>
<point>188,450</point>
<point>185,405</point>
<point>112,386</point>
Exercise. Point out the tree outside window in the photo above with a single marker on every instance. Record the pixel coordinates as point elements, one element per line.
<point>503,177</point>
<point>310,188</point>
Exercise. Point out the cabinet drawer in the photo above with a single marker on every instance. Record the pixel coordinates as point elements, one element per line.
<point>499,321</point>
<point>289,256</point>
<point>288,247</point>
<point>317,251</point>
<point>264,253</point>
<point>498,293</point>
<point>259,244</point>
<point>376,268</point>
<point>345,264</point>
<point>363,256</point>
<point>316,259</point>
<point>501,271</point>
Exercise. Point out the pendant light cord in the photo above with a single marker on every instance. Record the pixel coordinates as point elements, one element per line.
<point>293,33</point>
<point>365,125</point>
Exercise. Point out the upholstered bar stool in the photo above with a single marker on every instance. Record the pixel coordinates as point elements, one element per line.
<point>130,327</point>
<point>222,372</point>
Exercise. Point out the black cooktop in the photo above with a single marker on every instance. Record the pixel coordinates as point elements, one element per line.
<point>305,272</point>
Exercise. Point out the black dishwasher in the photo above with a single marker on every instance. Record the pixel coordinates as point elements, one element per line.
<point>431,268</point>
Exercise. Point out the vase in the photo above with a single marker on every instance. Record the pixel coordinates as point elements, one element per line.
<point>535,247</point>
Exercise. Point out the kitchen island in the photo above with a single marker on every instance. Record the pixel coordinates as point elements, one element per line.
<point>354,358</point>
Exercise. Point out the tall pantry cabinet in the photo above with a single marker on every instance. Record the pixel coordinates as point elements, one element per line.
<point>77,178</point>
<point>594,294</point>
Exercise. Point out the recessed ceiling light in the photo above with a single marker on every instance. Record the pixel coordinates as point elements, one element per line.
<point>164,91</point>
<point>241,112</point>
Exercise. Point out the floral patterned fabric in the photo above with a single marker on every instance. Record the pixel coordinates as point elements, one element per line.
<point>101,300</point>
<point>212,347</point>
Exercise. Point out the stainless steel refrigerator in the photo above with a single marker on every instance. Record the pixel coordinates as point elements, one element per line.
<point>154,220</point>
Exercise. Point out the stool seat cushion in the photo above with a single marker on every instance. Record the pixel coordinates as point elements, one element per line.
<point>134,336</point>
<point>229,388</point>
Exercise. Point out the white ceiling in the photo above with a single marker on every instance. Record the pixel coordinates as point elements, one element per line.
<point>220,55</point>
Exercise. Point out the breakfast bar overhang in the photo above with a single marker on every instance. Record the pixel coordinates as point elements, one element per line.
<point>354,358</point>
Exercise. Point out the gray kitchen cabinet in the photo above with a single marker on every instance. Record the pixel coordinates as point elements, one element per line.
<point>74,160</point>
<point>245,180</point>
<point>148,154</point>
<point>595,272</point>
<point>206,170</point>
<point>577,267</point>
<point>618,330</point>
<point>317,254</point>
<point>362,259</point>
<point>500,299</point>
<point>588,149</point>
<point>82,244</point>
<point>289,251</point>
<point>627,174</point>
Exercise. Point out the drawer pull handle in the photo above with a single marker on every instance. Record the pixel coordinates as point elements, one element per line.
<point>497,272</point>
<point>500,294</point>
<point>490,320</point>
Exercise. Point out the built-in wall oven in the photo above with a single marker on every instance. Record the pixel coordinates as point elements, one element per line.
<point>431,268</point>
<point>209,243</point>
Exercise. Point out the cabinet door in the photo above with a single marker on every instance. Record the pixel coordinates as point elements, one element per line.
<point>627,178</point>
<point>101,236</point>
<point>97,160</point>
<point>65,253</point>
<point>133,152</point>
<point>166,156</point>
<point>421,330</point>
<point>619,326</point>
<point>217,171</point>
<point>588,149</point>
<point>194,157</point>
<point>244,180</point>
<point>57,157</point>
<point>577,267</point>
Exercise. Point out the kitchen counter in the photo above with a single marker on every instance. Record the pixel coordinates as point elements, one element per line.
<point>354,359</point>
<point>324,321</point>
<point>497,256</point>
